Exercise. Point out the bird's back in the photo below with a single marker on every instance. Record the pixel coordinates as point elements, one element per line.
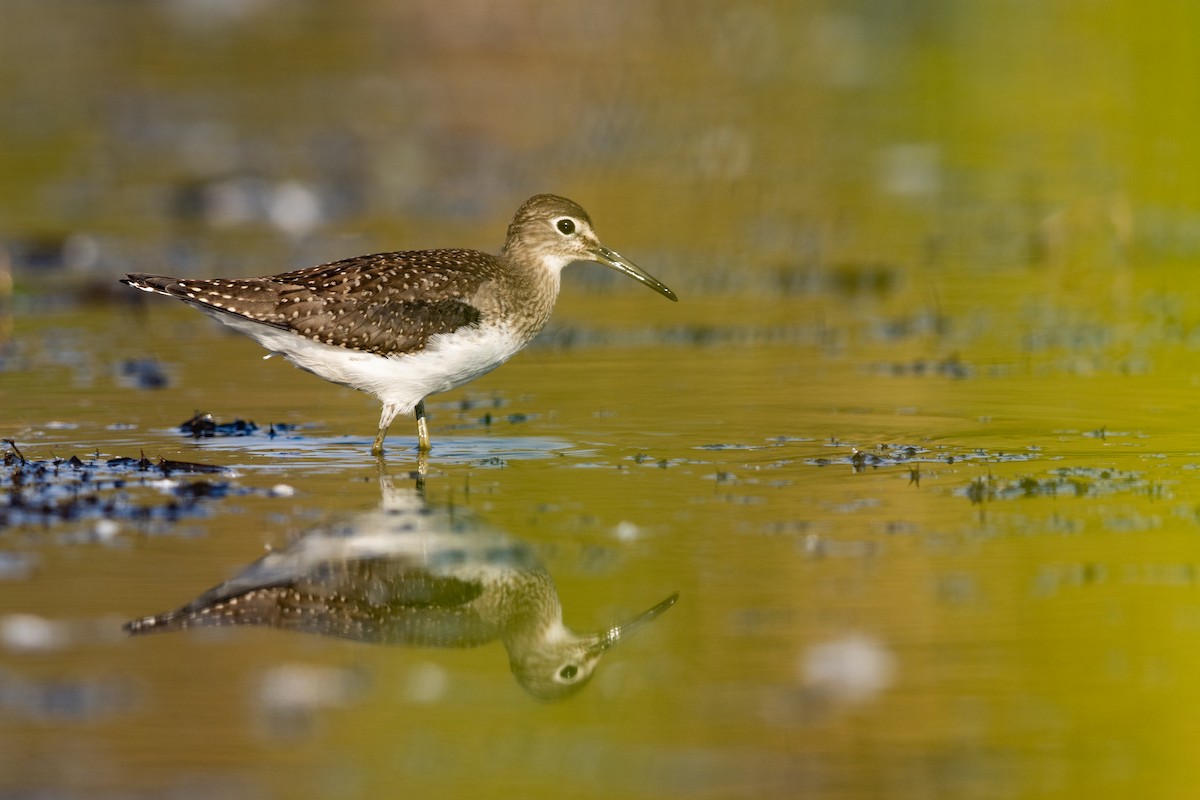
<point>385,303</point>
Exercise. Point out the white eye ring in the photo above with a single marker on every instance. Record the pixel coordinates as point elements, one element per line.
<point>566,226</point>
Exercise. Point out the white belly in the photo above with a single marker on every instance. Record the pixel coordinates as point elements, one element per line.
<point>400,381</point>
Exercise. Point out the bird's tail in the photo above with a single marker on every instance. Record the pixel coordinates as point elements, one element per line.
<point>171,620</point>
<point>160,284</point>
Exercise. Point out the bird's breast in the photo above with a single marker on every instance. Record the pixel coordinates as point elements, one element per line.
<point>455,358</point>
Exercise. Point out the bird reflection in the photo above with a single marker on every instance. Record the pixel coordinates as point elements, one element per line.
<point>410,574</point>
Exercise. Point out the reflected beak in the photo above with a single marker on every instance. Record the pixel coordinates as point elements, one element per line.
<point>611,258</point>
<point>619,633</point>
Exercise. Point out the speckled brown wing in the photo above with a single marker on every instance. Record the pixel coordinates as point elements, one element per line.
<point>384,303</point>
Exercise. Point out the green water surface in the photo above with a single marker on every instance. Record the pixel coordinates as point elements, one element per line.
<point>917,446</point>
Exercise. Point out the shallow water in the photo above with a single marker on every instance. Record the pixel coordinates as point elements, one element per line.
<point>915,448</point>
<point>891,578</point>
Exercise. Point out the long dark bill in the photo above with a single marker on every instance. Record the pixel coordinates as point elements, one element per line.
<point>611,258</point>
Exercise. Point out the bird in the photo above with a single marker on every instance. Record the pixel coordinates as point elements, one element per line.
<point>409,324</point>
<point>409,573</point>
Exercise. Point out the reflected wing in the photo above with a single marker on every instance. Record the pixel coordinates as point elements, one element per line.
<point>371,600</point>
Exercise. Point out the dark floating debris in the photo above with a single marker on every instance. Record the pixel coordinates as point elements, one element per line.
<point>204,426</point>
<point>168,467</point>
<point>142,463</point>
<point>1065,482</point>
<point>42,492</point>
<point>891,455</point>
<point>279,429</point>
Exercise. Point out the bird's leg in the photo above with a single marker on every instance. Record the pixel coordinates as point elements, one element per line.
<point>385,421</point>
<point>377,447</point>
<point>423,445</point>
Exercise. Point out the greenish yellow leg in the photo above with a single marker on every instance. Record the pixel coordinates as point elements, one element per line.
<point>377,447</point>
<point>423,445</point>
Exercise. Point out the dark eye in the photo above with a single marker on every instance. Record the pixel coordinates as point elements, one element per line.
<point>566,226</point>
<point>570,670</point>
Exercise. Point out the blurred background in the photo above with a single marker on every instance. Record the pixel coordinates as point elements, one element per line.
<point>727,143</point>
<point>916,445</point>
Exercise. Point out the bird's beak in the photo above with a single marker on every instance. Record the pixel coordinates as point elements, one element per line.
<point>611,258</point>
<point>619,633</point>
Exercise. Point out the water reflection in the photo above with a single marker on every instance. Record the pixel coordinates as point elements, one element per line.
<point>408,573</point>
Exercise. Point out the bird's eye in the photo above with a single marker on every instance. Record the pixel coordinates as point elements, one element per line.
<point>566,226</point>
<point>570,670</point>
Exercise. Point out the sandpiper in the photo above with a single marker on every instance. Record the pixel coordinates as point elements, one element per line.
<point>406,325</point>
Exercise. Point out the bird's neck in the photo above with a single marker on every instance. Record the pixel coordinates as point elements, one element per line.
<point>525,606</point>
<point>535,288</point>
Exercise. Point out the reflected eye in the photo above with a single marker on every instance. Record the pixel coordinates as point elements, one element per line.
<point>570,670</point>
<point>566,226</point>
